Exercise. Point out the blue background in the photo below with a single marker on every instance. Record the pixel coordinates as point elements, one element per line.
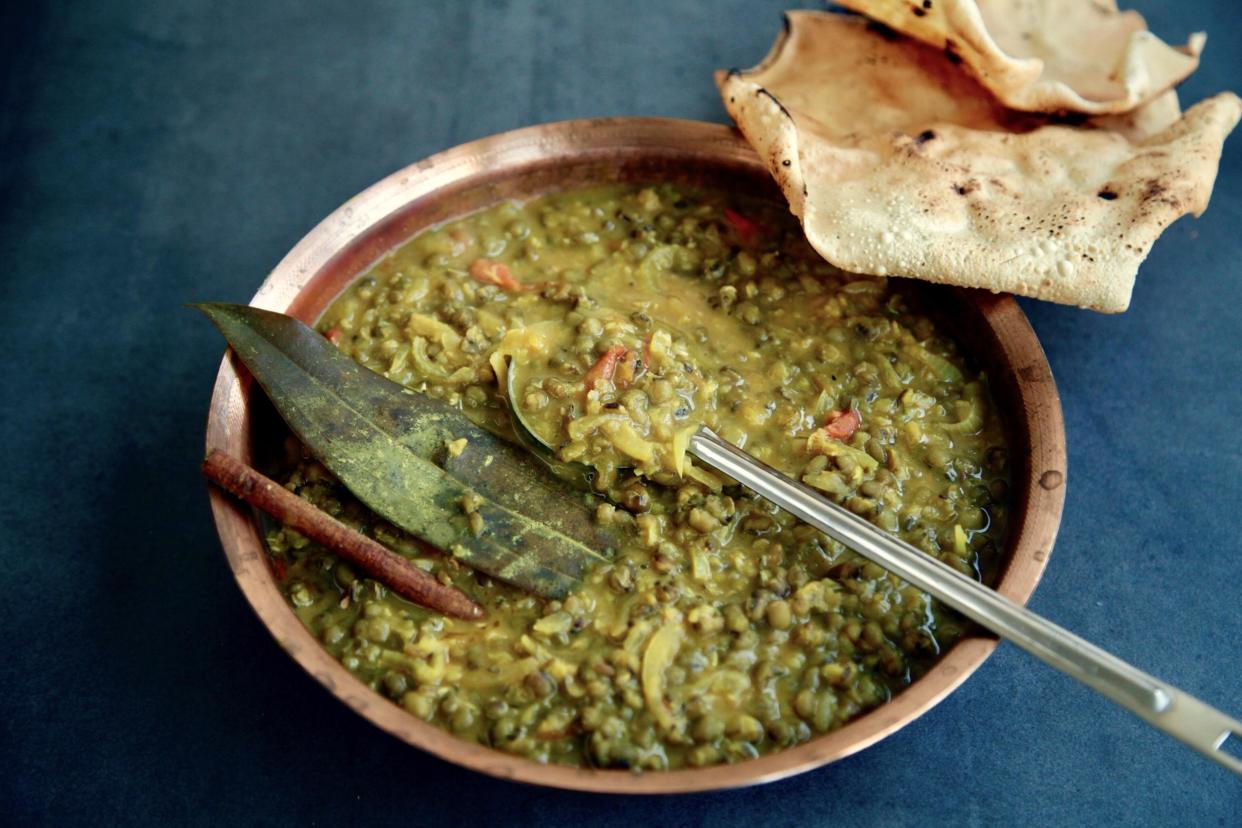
<point>158,153</point>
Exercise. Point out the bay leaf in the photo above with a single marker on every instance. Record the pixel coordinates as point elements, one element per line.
<point>389,446</point>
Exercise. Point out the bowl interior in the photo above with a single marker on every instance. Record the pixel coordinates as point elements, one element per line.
<point>526,163</point>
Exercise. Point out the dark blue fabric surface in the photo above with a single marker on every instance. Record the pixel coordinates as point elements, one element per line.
<point>157,153</point>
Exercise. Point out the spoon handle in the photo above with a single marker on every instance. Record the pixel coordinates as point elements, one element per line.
<point>1161,705</point>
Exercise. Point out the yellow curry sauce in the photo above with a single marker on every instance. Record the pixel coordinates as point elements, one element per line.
<point>620,319</point>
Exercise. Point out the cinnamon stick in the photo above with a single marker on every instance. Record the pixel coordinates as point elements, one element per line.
<point>382,564</point>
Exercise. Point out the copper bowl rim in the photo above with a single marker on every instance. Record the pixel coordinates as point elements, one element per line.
<point>1039,484</point>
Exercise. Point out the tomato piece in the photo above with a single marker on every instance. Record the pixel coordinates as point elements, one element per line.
<point>333,335</point>
<point>746,229</point>
<point>605,366</point>
<point>841,425</point>
<point>491,272</point>
<point>628,368</point>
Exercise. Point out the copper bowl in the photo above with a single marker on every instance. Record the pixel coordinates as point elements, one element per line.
<point>527,162</point>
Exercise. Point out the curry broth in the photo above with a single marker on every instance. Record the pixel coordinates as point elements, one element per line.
<point>723,628</point>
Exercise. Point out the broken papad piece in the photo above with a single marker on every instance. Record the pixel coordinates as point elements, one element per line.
<point>897,163</point>
<point>1047,55</point>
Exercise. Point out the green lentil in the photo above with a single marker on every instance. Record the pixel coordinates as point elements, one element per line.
<point>724,628</point>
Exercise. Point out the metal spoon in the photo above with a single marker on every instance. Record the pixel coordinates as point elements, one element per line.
<point>1161,705</point>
